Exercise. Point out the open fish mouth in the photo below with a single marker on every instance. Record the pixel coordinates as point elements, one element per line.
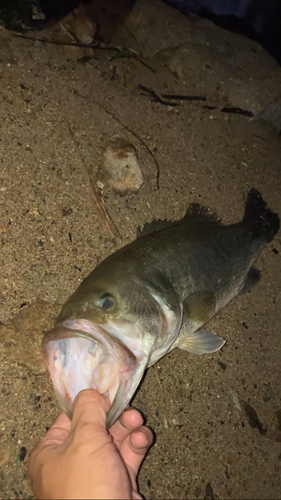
<point>83,355</point>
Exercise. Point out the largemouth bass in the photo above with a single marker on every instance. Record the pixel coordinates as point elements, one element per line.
<point>152,296</point>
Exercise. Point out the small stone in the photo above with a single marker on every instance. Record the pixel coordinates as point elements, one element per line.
<point>37,14</point>
<point>236,400</point>
<point>120,170</point>
<point>81,26</point>
<point>73,51</point>
<point>268,393</point>
<point>66,211</point>
<point>22,453</point>
<point>37,43</point>
<point>84,28</point>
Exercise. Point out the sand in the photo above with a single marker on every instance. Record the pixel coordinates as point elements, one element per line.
<point>59,110</point>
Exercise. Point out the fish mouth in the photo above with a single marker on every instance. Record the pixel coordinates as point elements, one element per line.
<point>81,355</point>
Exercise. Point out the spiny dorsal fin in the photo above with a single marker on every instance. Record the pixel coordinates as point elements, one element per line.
<point>194,211</point>
<point>151,227</point>
<point>203,213</point>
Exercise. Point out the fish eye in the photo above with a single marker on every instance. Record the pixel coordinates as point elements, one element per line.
<point>106,301</point>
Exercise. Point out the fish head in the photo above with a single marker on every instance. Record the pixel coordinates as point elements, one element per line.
<point>104,338</point>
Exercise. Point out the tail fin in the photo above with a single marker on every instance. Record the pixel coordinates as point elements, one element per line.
<point>261,221</point>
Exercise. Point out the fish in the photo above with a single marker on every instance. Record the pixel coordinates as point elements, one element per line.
<point>151,296</point>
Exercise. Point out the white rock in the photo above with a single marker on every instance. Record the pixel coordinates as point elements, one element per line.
<point>120,170</point>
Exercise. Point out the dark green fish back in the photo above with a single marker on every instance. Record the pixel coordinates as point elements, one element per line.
<point>198,253</point>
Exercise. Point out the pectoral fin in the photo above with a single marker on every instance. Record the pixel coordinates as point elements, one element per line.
<point>202,342</point>
<point>198,309</point>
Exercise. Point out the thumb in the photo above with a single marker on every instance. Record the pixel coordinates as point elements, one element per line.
<point>89,411</point>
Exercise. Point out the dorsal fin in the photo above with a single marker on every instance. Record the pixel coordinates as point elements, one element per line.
<point>194,211</point>
<point>151,227</point>
<point>203,213</point>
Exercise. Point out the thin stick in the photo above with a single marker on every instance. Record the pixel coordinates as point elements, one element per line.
<point>123,51</point>
<point>67,32</point>
<point>104,216</point>
<point>154,97</point>
<point>179,97</point>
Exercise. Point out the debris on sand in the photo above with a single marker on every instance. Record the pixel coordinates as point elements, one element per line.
<point>275,432</point>
<point>209,494</point>
<point>267,394</point>
<point>120,170</point>
<point>253,420</point>
<point>246,409</point>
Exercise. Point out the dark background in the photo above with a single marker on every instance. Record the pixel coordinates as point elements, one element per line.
<point>256,19</point>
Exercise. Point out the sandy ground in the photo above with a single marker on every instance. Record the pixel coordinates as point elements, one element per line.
<point>54,105</point>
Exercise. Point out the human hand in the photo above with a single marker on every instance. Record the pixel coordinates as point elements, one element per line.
<point>80,458</point>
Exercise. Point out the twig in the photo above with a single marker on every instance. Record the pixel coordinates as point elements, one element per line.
<point>225,109</point>
<point>93,45</point>
<point>154,97</point>
<point>67,32</point>
<point>105,218</point>
<point>122,53</point>
<point>228,109</point>
<point>158,380</point>
<point>178,97</point>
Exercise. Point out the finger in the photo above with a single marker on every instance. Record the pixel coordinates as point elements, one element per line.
<point>140,440</point>
<point>130,419</point>
<point>89,412</point>
<point>135,447</point>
